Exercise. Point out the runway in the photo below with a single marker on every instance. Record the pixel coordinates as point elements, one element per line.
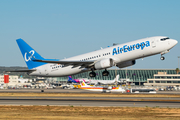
<point>92,101</point>
<point>171,102</point>
<point>59,90</point>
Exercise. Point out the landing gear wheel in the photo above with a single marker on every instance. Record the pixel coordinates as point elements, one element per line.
<point>105,73</point>
<point>92,74</point>
<point>162,58</point>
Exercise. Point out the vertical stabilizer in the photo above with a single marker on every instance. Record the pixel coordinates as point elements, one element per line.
<point>29,54</point>
<point>116,78</point>
<point>83,84</point>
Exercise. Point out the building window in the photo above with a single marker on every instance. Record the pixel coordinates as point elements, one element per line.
<point>162,77</point>
<point>157,81</point>
<point>175,81</point>
<point>168,81</point>
<point>168,77</point>
<point>175,77</point>
<point>150,81</point>
<point>163,81</point>
<point>157,77</point>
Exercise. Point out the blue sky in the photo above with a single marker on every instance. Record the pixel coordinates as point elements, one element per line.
<point>65,28</point>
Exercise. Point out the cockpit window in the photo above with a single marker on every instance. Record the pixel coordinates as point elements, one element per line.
<point>163,39</point>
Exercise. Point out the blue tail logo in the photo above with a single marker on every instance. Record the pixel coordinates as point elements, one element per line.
<point>29,54</point>
<point>29,57</point>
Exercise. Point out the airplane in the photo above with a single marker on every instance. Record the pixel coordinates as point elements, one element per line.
<point>70,80</point>
<point>96,82</point>
<point>122,55</point>
<point>84,86</point>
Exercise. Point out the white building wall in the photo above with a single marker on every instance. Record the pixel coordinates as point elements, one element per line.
<point>13,80</point>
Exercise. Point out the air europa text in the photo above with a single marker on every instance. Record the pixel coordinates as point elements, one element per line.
<point>127,48</point>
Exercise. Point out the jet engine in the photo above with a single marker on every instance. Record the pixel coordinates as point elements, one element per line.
<point>104,63</point>
<point>126,64</point>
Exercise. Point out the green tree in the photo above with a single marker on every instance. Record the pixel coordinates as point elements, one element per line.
<point>177,70</point>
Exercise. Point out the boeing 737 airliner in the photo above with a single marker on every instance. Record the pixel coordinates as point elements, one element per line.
<point>122,55</point>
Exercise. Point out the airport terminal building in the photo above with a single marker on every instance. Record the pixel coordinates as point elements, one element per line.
<point>136,76</point>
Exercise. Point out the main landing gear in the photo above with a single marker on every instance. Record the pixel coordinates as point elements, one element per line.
<point>93,74</point>
<point>105,73</point>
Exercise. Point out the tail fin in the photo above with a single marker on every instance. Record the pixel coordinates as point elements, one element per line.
<point>116,78</point>
<point>69,78</point>
<point>83,83</point>
<point>29,54</point>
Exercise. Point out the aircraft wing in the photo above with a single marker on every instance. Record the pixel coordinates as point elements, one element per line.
<point>67,63</point>
<point>23,70</point>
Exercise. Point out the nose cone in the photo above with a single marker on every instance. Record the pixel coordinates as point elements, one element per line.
<point>174,42</point>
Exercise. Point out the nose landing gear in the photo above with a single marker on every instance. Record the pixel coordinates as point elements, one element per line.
<point>162,57</point>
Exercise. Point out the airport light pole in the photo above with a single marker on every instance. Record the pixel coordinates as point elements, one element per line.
<point>116,75</point>
<point>178,61</point>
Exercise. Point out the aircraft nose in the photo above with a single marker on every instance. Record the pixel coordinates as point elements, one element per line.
<point>174,42</point>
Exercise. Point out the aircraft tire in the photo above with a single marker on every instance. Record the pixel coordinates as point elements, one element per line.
<point>92,74</point>
<point>162,58</point>
<point>105,73</point>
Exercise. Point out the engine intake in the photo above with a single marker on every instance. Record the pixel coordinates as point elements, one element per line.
<point>104,63</point>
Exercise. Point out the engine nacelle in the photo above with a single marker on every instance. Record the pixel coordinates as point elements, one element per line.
<point>104,63</point>
<point>126,64</point>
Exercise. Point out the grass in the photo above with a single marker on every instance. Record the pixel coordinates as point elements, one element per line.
<point>87,113</point>
<point>71,112</point>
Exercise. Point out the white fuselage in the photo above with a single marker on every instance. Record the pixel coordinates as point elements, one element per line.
<point>119,53</point>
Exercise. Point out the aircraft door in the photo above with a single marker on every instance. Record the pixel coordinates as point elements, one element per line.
<point>153,44</point>
<point>46,70</point>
